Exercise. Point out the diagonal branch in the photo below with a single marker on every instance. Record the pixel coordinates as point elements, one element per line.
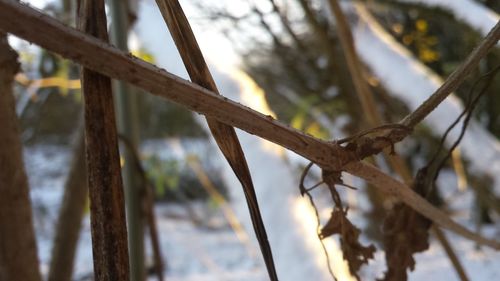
<point>395,188</point>
<point>100,56</point>
<point>455,79</point>
<point>450,85</point>
<point>104,58</point>
<point>224,135</point>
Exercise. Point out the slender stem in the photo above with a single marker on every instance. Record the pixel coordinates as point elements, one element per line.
<point>128,125</point>
<point>224,135</point>
<point>107,207</point>
<point>451,84</point>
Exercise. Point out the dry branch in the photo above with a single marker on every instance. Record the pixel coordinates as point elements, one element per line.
<point>104,58</point>
<point>100,56</point>
<point>455,79</point>
<point>107,206</point>
<point>399,190</point>
<point>374,118</point>
<point>224,135</point>
<point>450,85</point>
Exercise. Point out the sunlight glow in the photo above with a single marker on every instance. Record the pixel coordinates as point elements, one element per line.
<point>254,96</point>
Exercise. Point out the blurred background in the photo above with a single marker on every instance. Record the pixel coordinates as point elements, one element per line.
<point>284,58</point>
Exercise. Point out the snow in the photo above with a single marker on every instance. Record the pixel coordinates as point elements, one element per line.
<point>471,12</point>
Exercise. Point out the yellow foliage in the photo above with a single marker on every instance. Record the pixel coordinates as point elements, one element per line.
<point>143,55</point>
<point>421,25</point>
<point>428,55</point>
<point>315,130</point>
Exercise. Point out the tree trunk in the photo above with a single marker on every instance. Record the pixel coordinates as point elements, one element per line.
<point>70,215</point>
<point>18,252</point>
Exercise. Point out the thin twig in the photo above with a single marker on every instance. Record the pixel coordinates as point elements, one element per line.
<point>450,85</point>
<point>148,206</point>
<point>305,191</point>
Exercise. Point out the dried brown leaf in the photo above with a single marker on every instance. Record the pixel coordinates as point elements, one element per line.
<point>354,253</point>
<point>406,232</point>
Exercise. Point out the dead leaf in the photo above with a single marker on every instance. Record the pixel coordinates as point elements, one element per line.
<point>354,253</point>
<point>406,232</point>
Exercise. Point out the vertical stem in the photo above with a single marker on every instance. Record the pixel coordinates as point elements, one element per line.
<point>18,252</point>
<point>70,215</point>
<point>128,127</point>
<point>107,213</point>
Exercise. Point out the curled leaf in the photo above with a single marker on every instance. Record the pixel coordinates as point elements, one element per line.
<point>354,253</point>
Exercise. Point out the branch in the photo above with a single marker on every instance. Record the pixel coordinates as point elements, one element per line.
<point>106,59</point>
<point>100,56</point>
<point>374,117</point>
<point>224,135</point>
<point>107,204</point>
<point>397,189</point>
<point>450,85</point>
<point>455,79</point>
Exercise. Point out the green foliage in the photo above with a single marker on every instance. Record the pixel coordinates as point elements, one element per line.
<point>173,180</point>
<point>164,174</point>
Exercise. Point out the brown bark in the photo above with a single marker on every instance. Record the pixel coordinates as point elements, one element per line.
<point>107,212</point>
<point>18,252</point>
<point>70,215</point>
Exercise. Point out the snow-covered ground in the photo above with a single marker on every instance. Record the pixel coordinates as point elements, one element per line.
<point>193,251</point>
<point>212,251</point>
